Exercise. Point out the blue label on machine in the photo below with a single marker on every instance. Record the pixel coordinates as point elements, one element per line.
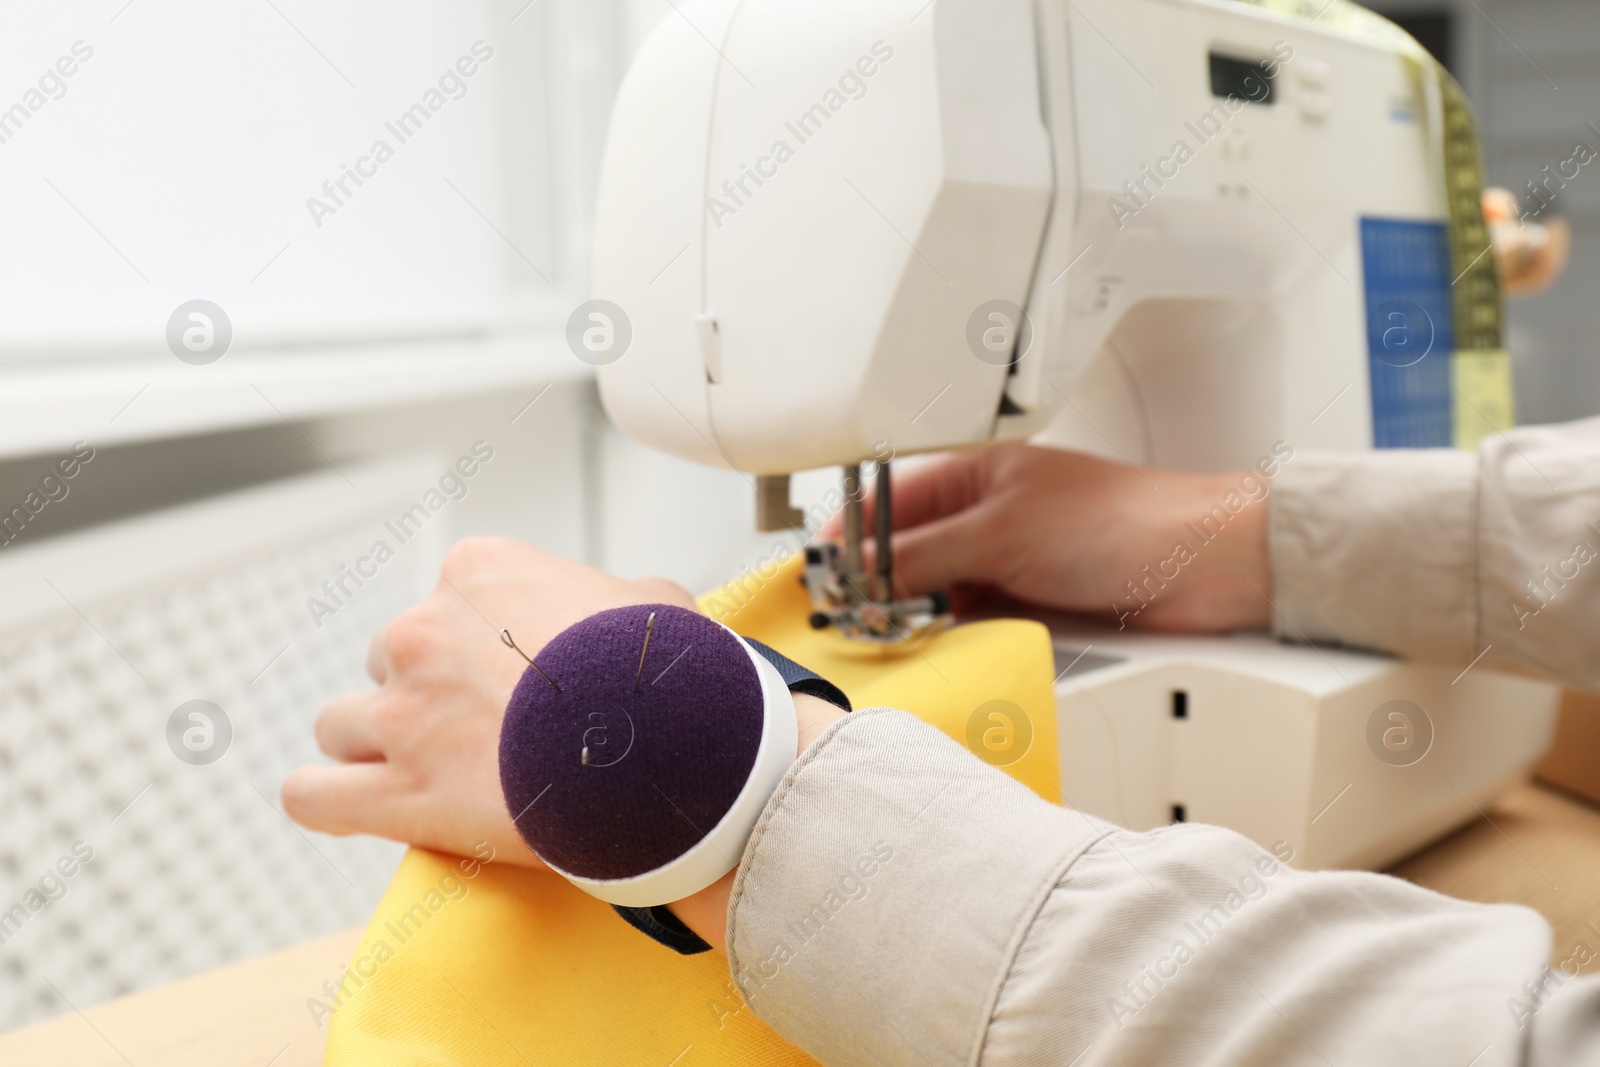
<point>1406,266</point>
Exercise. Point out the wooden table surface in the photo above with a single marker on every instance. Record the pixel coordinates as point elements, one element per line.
<point>250,1014</point>
<point>1536,847</point>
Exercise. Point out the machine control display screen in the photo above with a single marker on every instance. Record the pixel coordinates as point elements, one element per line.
<point>1250,80</point>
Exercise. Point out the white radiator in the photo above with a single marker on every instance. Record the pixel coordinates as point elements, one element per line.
<point>103,634</point>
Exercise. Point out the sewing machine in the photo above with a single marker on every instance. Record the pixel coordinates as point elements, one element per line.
<point>1184,233</point>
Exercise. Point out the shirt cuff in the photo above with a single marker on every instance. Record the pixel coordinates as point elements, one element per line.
<point>1378,550</point>
<point>890,882</point>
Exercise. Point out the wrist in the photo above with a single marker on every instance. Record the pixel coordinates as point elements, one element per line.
<point>1236,590</point>
<point>1223,579</point>
<point>815,715</point>
<point>706,912</point>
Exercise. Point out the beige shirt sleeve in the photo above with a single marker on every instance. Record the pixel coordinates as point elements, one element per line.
<point>903,903</point>
<point>1442,554</point>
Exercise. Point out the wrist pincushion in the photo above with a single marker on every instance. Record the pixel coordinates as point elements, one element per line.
<point>637,768</point>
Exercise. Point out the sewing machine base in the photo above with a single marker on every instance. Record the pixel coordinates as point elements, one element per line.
<point>1355,760</point>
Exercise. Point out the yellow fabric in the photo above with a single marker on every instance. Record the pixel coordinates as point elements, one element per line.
<point>488,964</point>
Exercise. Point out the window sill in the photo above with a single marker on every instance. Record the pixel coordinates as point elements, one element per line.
<point>45,408</point>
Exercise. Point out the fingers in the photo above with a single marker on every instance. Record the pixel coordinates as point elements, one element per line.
<point>347,729</point>
<point>927,492</point>
<point>938,554</point>
<point>353,798</point>
<point>923,493</point>
<point>378,656</point>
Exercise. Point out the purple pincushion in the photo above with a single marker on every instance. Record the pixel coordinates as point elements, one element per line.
<point>609,777</point>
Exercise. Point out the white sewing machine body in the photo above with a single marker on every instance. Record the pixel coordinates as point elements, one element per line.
<point>812,213</point>
<point>1277,742</point>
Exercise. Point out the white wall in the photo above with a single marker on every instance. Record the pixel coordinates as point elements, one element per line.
<point>1530,124</point>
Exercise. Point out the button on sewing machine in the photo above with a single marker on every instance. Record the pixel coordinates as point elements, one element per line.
<point>1316,102</point>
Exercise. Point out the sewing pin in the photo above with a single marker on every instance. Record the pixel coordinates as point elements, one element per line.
<point>506,638</point>
<point>649,624</point>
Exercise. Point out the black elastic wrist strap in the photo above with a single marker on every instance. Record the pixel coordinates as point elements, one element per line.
<point>658,922</point>
<point>799,679</point>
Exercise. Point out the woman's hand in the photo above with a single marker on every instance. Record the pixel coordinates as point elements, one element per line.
<point>1068,531</point>
<point>417,757</point>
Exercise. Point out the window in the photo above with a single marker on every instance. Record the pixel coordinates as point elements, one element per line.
<point>325,173</point>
